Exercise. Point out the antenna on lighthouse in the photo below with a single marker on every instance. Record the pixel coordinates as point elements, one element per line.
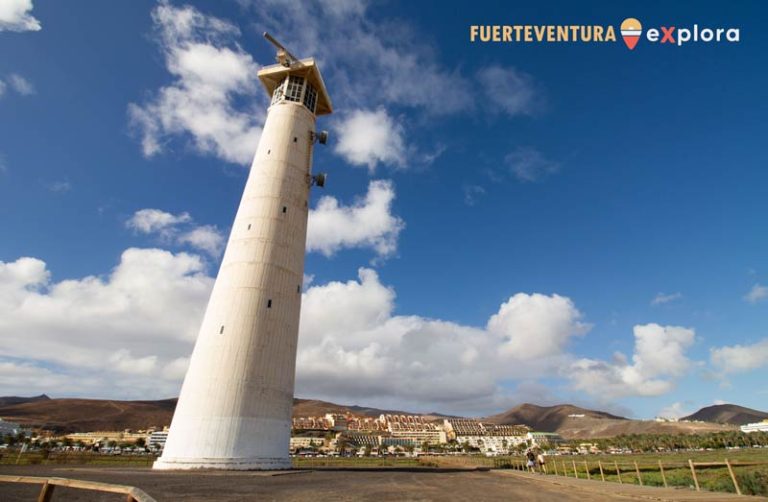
<point>284,56</point>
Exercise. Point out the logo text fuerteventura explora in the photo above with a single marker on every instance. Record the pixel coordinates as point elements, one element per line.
<point>631,31</point>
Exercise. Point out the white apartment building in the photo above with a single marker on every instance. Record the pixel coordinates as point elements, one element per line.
<point>544,438</point>
<point>158,438</point>
<point>491,444</point>
<point>756,427</point>
<point>420,437</point>
<point>305,442</point>
<point>9,428</point>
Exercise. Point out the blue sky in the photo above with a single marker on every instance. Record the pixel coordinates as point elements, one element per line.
<point>540,222</point>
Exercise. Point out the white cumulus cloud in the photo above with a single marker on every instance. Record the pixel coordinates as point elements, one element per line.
<point>211,72</point>
<point>177,228</point>
<point>25,378</point>
<point>129,333</point>
<point>367,223</point>
<point>207,238</point>
<point>15,15</point>
<point>112,335</point>
<point>349,328</point>
<point>536,325</point>
<point>740,358</point>
<point>155,220</point>
<point>659,358</point>
<point>367,138</point>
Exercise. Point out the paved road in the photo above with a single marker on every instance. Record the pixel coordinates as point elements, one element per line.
<point>314,486</point>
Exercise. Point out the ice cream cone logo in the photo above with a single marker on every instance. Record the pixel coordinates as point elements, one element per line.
<point>631,29</point>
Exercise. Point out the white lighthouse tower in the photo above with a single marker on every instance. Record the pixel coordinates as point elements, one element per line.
<point>234,410</point>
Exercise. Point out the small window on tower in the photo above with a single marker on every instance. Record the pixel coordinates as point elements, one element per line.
<point>249,226</point>
<point>269,304</point>
<point>285,209</point>
<point>279,92</point>
<point>295,86</point>
<point>310,97</point>
<point>221,330</point>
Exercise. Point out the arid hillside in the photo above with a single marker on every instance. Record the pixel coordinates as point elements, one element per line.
<point>573,422</point>
<point>728,414</point>
<point>81,415</point>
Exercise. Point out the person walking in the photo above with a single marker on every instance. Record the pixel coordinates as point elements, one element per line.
<point>542,463</point>
<point>531,460</point>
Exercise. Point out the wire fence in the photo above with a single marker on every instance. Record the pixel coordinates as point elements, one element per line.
<point>748,478</point>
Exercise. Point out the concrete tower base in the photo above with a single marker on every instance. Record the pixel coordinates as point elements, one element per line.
<point>228,464</point>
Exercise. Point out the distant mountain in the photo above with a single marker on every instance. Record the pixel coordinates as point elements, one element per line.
<point>314,408</point>
<point>573,422</point>
<point>9,400</point>
<point>82,415</point>
<point>546,418</point>
<point>728,414</point>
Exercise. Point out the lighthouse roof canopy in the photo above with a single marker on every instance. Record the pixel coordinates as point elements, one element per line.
<point>272,76</point>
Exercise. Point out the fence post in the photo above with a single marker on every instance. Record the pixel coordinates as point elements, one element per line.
<point>733,477</point>
<point>554,462</point>
<point>46,492</point>
<point>639,478</point>
<point>565,471</point>
<point>618,472</point>
<point>575,473</point>
<point>586,468</point>
<point>663,477</point>
<point>693,473</point>
<point>600,465</point>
